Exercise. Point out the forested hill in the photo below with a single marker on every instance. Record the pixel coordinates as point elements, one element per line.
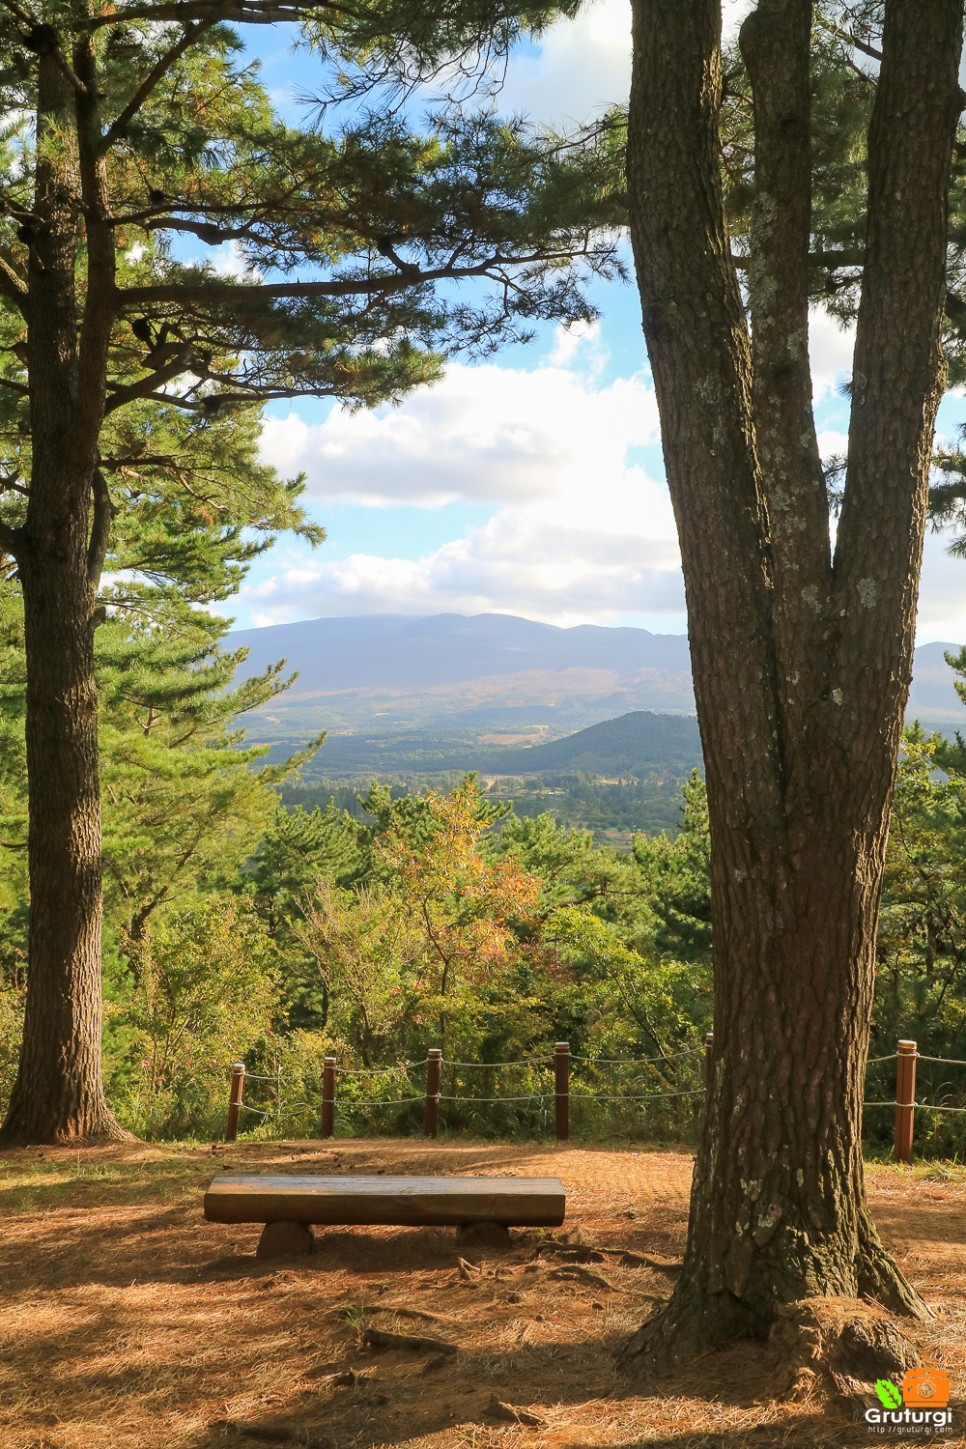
<point>636,744</point>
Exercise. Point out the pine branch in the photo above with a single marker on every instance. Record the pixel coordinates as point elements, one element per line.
<point>207,231</point>
<point>132,298</point>
<point>853,40</point>
<point>203,404</point>
<point>149,385</point>
<point>18,12</point>
<point>12,287</point>
<point>830,260</point>
<point>956,312</point>
<point>157,73</point>
<point>138,460</point>
<point>42,39</point>
<point>249,12</point>
<point>104,512</point>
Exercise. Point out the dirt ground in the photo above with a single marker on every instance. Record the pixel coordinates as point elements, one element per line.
<point>127,1320</point>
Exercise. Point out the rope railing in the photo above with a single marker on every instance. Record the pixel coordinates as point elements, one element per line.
<point>563,1094</point>
<point>905,1103</point>
<point>638,1061</point>
<point>522,1062</point>
<point>379,1071</point>
<point>380,1102</point>
<point>529,1097</point>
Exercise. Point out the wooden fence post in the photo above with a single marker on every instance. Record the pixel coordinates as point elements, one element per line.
<point>561,1089</point>
<point>708,1062</point>
<point>235,1100</point>
<point>905,1099</point>
<point>434,1063</point>
<point>328,1096</point>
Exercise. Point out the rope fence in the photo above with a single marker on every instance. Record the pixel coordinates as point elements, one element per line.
<point>562,1094</point>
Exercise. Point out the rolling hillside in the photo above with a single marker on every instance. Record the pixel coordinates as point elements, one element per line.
<point>636,744</point>
<point>387,674</point>
<point>500,694</point>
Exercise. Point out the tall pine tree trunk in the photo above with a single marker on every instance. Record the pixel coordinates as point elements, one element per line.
<point>801,661</point>
<point>58,1095</point>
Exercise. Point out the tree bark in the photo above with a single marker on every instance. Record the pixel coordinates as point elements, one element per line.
<point>58,1095</point>
<point>801,661</point>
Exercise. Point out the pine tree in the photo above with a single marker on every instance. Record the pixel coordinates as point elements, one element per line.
<point>183,805</point>
<point>140,131</point>
<point>299,850</point>
<point>801,655</point>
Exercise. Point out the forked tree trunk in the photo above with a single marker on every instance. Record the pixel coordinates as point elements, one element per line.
<point>801,662</point>
<point>778,1210</point>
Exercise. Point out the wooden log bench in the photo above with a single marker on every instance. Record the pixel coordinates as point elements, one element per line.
<point>290,1205</point>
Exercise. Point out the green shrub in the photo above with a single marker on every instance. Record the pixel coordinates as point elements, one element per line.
<point>204,994</point>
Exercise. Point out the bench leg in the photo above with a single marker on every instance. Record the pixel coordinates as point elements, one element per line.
<point>483,1235</point>
<point>284,1240</point>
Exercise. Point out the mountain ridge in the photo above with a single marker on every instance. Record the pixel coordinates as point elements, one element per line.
<point>469,674</point>
<point>391,672</point>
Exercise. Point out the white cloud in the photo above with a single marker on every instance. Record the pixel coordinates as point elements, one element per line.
<point>832,443</point>
<point>579,68</point>
<point>942,593</point>
<point>830,348</point>
<point>580,532</point>
<point>483,434</point>
<point>519,565</point>
<point>523,562</point>
<point>228,260</point>
<point>580,340</point>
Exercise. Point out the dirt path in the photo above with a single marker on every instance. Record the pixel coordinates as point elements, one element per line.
<point>126,1320</point>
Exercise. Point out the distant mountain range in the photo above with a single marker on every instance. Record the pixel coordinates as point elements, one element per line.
<point>501,693</point>
<point>384,672</point>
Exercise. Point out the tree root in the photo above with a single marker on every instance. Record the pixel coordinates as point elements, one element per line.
<point>880,1280</point>
<point>695,1321</point>
<point>691,1323</point>
<point>15,1133</point>
<point>827,1350</point>
<point>379,1338</point>
<point>835,1349</point>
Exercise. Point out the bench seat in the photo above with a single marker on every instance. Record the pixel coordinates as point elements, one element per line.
<point>386,1201</point>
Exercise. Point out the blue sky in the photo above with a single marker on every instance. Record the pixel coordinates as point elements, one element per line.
<point>532,483</point>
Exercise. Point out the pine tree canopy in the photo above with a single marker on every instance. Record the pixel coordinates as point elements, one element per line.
<point>174,255</point>
<point>342,234</point>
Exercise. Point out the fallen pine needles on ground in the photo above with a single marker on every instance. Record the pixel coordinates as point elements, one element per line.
<point>129,1322</point>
